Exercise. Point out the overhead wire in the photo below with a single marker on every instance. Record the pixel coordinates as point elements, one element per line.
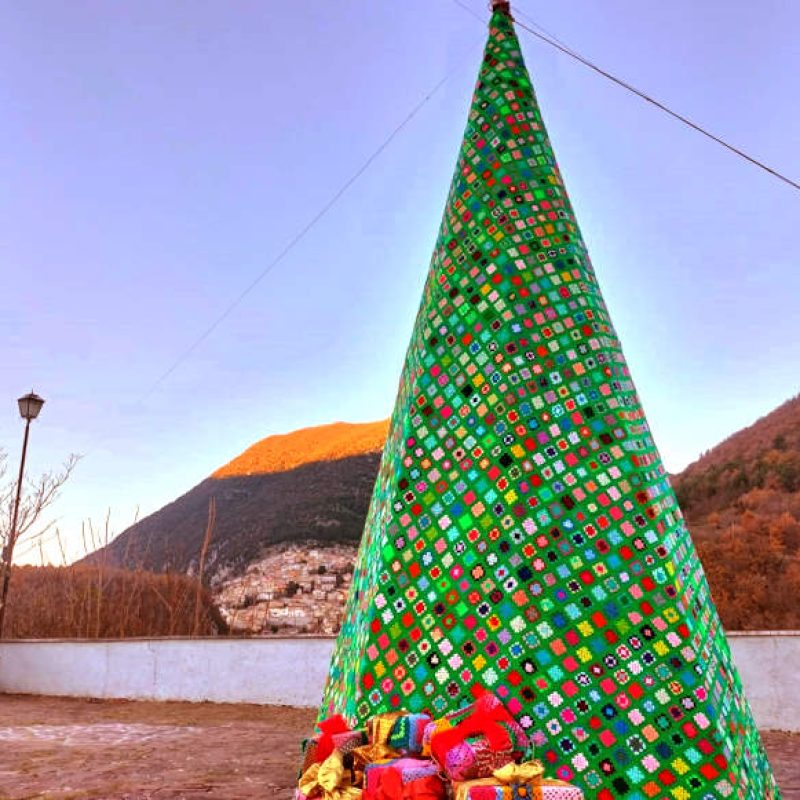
<point>559,45</point>
<point>305,230</point>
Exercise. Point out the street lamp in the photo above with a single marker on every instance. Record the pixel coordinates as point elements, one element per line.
<point>29,407</point>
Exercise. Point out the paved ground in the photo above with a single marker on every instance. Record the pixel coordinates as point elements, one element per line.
<point>117,750</point>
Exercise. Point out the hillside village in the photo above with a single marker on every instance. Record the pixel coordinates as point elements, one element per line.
<point>290,590</point>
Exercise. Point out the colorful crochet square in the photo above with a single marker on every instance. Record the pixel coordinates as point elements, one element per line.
<point>523,535</point>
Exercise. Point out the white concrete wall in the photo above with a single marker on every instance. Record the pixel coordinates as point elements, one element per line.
<point>292,671</point>
<point>769,665</point>
<point>268,671</point>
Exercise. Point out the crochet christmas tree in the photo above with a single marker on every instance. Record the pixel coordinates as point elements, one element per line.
<point>523,535</point>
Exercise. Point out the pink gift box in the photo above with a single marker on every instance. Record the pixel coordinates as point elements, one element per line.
<point>551,790</point>
<point>348,741</point>
<point>561,791</point>
<point>475,759</point>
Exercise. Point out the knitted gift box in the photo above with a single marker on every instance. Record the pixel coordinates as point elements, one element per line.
<point>482,790</point>
<point>484,738</point>
<point>309,748</point>
<point>516,782</point>
<point>348,741</point>
<point>442,724</point>
<point>476,757</point>
<point>558,790</point>
<point>407,733</point>
<point>403,778</point>
<point>319,747</point>
<point>485,789</point>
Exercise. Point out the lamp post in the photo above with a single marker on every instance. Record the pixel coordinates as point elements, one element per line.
<point>29,407</point>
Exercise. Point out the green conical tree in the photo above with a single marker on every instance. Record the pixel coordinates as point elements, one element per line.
<point>523,535</point>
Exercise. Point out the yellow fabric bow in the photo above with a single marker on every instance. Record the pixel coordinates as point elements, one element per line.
<point>528,774</point>
<point>379,729</point>
<point>329,780</point>
<point>370,754</point>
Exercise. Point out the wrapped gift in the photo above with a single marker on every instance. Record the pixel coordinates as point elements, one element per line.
<point>516,782</point>
<point>367,755</point>
<point>432,728</point>
<point>335,735</point>
<point>348,741</point>
<point>475,758</point>
<point>379,727</point>
<point>377,749</point>
<point>487,789</point>
<point>407,733</point>
<point>560,790</point>
<point>444,723</point>
<point>484,738</point>
<point>403,779</point>
<point>319,747</point>
<point>511,782</point>
<point>309,749</point>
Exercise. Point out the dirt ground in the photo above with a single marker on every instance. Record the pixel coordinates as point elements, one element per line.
<point>118,750</point>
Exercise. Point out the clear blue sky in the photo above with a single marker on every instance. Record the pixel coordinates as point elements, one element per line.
<point>154,157</point>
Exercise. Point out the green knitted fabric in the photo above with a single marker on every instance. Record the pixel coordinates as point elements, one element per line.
<point>523,535</point>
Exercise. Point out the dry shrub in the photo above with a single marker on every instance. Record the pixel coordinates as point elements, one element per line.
<point>97,602</point>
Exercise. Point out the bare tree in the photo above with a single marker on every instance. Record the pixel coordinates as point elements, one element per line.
<point>36,496</point>
<point>201,568</point>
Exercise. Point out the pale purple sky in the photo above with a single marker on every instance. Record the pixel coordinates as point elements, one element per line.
<point>154,157</point>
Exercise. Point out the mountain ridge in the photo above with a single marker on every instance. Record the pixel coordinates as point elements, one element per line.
<point>284,451</point>
<point>315,489</point>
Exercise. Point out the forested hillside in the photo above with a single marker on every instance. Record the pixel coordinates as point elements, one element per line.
<point>742,504</point>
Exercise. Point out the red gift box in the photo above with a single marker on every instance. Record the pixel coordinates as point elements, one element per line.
<point>403,779</point>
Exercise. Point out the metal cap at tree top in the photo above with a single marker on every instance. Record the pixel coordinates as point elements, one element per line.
<point>503,6</point>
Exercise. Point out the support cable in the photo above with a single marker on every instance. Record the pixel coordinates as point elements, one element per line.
<point>558,45</point>
<point>301,234</point>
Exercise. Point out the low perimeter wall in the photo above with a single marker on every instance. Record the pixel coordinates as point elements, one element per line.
<point>292,671</point>
<point>266,671</point>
